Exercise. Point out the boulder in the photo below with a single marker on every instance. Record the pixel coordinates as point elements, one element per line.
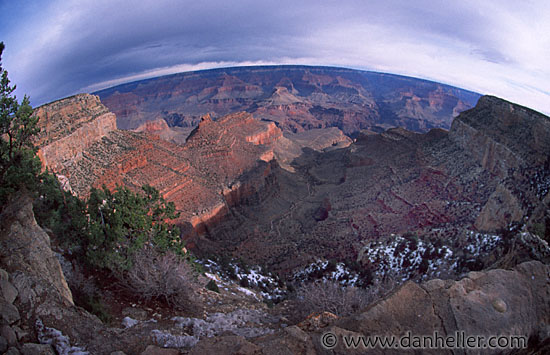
<point>8,291</point>
<point>25,248</point>
<point>37,349</point>
<point>494,302</point>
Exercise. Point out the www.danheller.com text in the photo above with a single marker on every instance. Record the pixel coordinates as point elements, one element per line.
<point>457,340</point>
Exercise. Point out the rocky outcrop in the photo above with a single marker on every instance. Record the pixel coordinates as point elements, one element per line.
<point>37,315</point>
<point>68,127</point>
<point>502,136</point>
<point>42,297</point>
<point>156,126</point>
<point>495,302</point>
<point>393,182</point>
<point>240,183</point>
<point>38,318</point>
<point>501,209</point>
<point>265,136</point>
<point>25,249</point>
<point>217,154</point>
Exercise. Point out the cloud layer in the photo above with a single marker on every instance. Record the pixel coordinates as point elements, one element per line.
<point>58,48</point>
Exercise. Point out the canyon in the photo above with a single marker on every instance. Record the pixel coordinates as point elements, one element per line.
<point>249,189</point>
<point>296,98</point>
<point>314,175</point>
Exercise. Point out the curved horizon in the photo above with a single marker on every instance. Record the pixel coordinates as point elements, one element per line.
<point>58,48</point>
<point>270,66</point>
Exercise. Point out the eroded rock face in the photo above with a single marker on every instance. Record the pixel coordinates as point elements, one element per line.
<point>501,135</point>
<point>43,296</point>
<point>25,248</point>
<point>397,181</point>
<point>221,162</point>
<point>246,188</point>
<point>68,127</point>
<point>42,316</point>
<point>501,209</point>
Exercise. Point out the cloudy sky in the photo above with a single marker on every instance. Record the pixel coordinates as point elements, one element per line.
<point>57,48</point>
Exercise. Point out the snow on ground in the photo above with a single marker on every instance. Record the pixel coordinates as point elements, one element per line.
<point>403,258</point>
<point>398,257</point>
<point>60,342</point>
<point>328,271</point>
<point>253,280</point>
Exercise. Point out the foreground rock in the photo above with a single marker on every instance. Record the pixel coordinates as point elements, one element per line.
<point>38,315</point>
<point>495,302</point>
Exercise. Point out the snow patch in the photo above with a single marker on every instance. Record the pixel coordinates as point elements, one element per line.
<point>61,343</point>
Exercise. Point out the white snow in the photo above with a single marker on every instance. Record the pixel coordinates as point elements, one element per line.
<point>61,343</point>
<point>128,322</point>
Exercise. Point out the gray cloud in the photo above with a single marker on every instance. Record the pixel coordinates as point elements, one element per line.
<point>66,46</point>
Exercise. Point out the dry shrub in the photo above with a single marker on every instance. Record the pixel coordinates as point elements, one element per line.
<point>164,277</point>
<point>330,296</point>
<point>80,285</point>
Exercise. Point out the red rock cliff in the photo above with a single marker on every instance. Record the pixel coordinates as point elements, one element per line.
<point>69,126</point>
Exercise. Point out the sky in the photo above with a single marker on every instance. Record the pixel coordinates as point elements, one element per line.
<point>57,48</point>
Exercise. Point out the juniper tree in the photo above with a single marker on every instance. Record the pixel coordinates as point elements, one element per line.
<point>19,166</point>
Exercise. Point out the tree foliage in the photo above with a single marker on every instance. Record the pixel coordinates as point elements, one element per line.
<point>110,228</point>
<point>121,223</point>
<point>19,166</point>
<point>62,213</point>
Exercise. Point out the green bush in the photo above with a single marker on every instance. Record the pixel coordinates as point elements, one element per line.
<point>122,222</point>
<point>62,213</point>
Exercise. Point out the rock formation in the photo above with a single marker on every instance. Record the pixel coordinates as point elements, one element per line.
<point>509,135</point>
<point>273,193</point>
<point>397,181</point>
<point>245,187</point>
<point>68,127</point>
<point>37,314</point>
<point>496,302</point>
<point>201,178</point>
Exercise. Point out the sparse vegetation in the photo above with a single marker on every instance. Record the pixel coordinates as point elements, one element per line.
<point>332,297</point>
<point>121,232</point>
<point>87,294</point>
<point>156,276</point>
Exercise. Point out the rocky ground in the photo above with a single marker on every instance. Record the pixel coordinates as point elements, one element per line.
<point>39,316</point>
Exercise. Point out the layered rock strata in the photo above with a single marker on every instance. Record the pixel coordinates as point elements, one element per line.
<point>68,127</point>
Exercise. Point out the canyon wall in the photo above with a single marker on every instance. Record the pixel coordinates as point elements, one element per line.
<point>501,135</point>
<point>221,163</point>
<point>68,127</point>
<point>246,188</point>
